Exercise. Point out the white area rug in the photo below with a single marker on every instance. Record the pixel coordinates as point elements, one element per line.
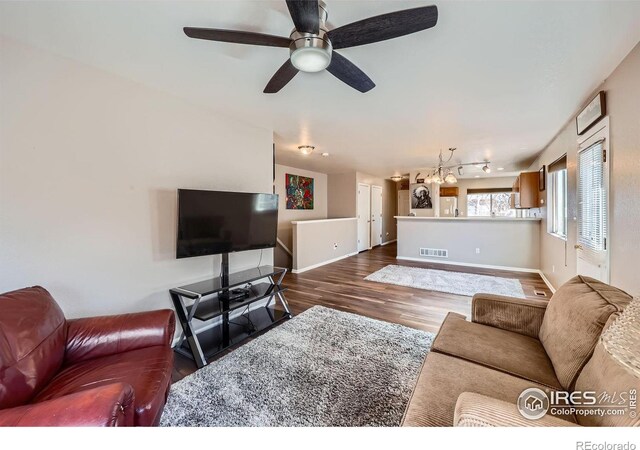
<point>322,368</point>
<point>446,281</point>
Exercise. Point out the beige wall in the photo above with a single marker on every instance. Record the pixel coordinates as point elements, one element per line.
<point>508,243</point>
<point>623,107</point>
<point>89,167</point>
<point>318,242</point>
<point>341,192</point>
<point>285,216</point>
<point>342,198</point>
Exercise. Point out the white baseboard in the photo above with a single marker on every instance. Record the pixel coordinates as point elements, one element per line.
<point>323,263</point>
<point>482,266</point>
<point>389,242</point>
<point>547,282</point>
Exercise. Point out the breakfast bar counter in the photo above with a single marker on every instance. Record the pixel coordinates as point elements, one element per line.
<point>494,242</point>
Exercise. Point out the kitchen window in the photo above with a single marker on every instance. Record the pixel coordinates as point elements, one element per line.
<point>557,198</point>
<point>493,202</point>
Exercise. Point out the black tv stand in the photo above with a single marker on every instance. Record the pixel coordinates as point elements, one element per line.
<point>234,294</point>
<point>215,299</point>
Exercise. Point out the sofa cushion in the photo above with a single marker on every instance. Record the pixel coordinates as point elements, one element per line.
<point>443,378</point>
<point>147,370</point>
<point>509,352</point>
<point>32,338</point>
<point>603,374</point>
<point>574,320</point>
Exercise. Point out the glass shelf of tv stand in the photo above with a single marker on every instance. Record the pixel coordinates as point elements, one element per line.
<point>215,285</point>
<point>212,308</point>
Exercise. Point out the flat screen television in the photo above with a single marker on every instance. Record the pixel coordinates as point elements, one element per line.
<point>215,222</point>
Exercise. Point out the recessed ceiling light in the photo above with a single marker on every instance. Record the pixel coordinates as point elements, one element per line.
<point>306,149</point>
<point>500,168</point>
<point>324,154</point>
<point>477,176</point>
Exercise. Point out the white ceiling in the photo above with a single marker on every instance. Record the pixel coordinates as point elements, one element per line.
<point>497,80</point>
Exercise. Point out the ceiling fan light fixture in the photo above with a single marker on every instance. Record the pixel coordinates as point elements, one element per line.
<point>310,52</point>
<point>310,59</point>
<point>306,149</point>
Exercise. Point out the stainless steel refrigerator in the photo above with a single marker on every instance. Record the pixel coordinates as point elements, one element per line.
<point>448,206</point>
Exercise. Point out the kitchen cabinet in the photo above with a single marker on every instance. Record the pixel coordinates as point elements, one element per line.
<point>448,191</point>
<point>525,191</point>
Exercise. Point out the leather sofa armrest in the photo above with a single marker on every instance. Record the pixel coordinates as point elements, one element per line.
<point>95,337</point>
<point>104,406</point>
<point>519,315</point>
<point>476,410</point>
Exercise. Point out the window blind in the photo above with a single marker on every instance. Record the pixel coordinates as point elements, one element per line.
<point>592,201</point>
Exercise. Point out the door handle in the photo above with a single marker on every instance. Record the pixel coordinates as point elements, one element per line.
<point>578,247</point>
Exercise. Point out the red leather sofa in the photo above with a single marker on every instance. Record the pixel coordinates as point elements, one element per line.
<point>98,371</point>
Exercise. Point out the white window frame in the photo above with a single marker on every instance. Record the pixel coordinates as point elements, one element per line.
<point>552,204</point>
<point>490,194</point>
<point>601,132</point>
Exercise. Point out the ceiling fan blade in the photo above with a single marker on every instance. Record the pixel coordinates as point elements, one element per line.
<point>237,37</point>
<point>279,80</point>
<point>305,15</point>
<point>344,70</point>
<point>383,27</point>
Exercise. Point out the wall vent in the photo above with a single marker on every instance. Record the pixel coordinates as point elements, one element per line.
<point>435,252</point>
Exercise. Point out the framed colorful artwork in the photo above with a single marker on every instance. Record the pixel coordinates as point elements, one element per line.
<point>299,191</point>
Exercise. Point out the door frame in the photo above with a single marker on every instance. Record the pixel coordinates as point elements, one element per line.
<point>600,131</point>
<point>358,213</point>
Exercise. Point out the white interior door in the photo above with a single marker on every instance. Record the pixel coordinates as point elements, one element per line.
<point>364,220</point>
<point>403,203</point>
<point>592,248</point>
<point>376,215</point>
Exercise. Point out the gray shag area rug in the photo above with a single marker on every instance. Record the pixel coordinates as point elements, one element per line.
<point>321,368</point>
<point>446,281</point>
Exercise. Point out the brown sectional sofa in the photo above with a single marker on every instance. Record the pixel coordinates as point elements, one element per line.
<point>476,370</point>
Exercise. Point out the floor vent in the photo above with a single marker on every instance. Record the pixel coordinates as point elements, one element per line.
<point>436,252</point>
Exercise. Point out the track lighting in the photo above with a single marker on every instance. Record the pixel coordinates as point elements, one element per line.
<point>486,169</point>
<point>460,170</point>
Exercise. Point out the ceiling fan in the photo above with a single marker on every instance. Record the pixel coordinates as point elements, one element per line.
<point>312,46</point>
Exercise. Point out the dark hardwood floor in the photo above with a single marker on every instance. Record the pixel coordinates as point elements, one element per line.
<point>341,285</point>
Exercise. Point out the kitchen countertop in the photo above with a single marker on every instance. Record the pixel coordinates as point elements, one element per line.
<point>472,219</point>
